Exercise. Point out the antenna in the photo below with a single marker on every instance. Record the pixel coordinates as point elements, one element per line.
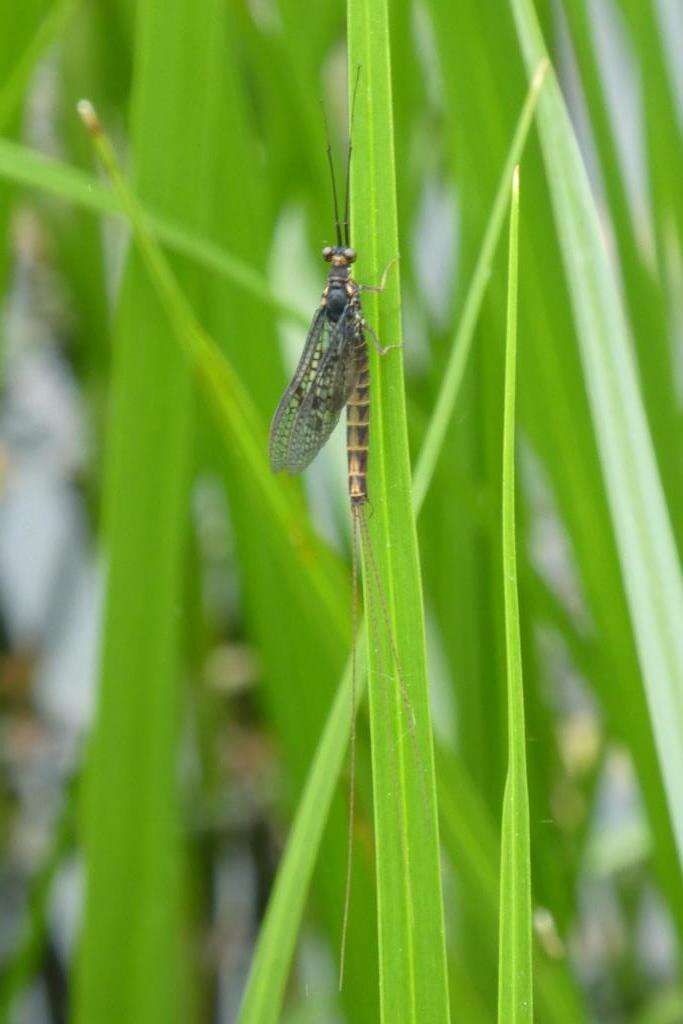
<point>347,221</point>
<point>334,181</point>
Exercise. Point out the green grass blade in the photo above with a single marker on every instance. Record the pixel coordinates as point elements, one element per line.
<point>262,999</point>
<point>647,552</point>
<point>277,937</point>
<point>26,167</point>
<point>438,424</point>
<point>515,994</point>
<point>413,981</point>
<point>134,900</point>
<point>470,839</point>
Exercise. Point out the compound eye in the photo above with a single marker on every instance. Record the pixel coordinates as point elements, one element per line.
<point>327,252</point>
<point>350,254</point>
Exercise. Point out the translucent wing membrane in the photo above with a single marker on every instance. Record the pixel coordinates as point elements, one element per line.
<point>310,407</point>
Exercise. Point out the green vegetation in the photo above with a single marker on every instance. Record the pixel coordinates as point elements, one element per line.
<point>515,987</point>
<point>516,844</point>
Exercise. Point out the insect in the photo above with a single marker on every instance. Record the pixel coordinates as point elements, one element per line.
<point>333,370</point>
<point>332,373</point>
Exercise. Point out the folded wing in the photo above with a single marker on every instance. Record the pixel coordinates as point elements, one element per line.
<point>311,405</point>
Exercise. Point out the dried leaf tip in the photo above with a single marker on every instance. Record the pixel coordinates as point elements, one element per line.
<point>89,117</point>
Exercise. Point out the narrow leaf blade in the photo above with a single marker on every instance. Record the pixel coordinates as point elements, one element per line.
<point>515,995</point>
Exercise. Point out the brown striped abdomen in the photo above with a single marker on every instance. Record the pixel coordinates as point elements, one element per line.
<point>358,426</point>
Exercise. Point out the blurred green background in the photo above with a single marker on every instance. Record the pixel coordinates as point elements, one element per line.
<point>166,666</point>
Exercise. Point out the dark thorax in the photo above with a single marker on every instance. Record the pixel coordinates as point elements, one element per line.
<point>340,290</point>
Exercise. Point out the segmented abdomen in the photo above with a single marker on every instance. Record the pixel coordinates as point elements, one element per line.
<point>358,424</point>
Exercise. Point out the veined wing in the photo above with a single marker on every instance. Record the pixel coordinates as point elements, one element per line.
<point>310,407</point>
<point>292,399</point>
<point>328,395</point>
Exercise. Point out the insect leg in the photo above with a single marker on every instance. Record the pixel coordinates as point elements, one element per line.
<point>382,349</point>
<point>383,282</point>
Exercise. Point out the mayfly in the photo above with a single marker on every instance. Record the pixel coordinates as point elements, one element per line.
<point>333,373</point>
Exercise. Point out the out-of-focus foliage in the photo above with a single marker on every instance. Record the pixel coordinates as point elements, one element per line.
<point>140,843</point>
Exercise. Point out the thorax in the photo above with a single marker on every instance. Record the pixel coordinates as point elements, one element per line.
<point>340,291</point>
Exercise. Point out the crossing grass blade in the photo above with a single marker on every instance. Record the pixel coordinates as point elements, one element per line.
<point>647,552</point>
<point>26,167</point>
<point>460,351</point>
<point>263,995</point>
<point>515,991</point>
